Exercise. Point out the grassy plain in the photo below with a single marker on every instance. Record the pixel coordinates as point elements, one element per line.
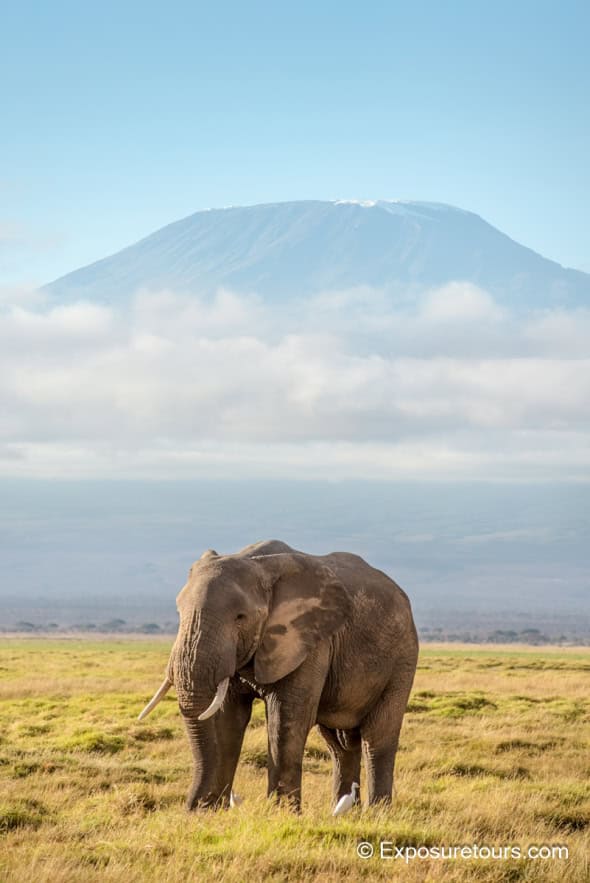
<point>495,751</point>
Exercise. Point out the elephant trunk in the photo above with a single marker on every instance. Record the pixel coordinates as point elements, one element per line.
<point>205,788</point>
<point>201,665</point>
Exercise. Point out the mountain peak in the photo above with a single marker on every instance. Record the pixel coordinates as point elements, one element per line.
<point>293,249</point>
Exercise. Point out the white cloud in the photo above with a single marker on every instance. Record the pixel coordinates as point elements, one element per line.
<point>342,385</point>
<point>82,321</point>
<point>460,301</point>
<point>13,295</point>
<point>561,332</point>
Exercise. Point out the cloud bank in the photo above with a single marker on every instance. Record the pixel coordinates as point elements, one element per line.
<point>340,385</point>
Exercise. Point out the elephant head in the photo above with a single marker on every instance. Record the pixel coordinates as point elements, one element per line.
<point>268,611</point>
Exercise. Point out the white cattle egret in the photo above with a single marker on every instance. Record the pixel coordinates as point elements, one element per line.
<point>347,801</point>
<point>235,799</point>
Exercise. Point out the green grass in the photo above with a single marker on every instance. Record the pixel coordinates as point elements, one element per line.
<point>495,751</point>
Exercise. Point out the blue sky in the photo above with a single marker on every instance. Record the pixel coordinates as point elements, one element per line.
<point>120,117</point>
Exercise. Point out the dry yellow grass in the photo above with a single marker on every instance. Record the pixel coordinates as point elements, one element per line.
<point>495,752</point>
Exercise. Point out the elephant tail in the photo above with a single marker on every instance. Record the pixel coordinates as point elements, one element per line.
<point>349,740</point>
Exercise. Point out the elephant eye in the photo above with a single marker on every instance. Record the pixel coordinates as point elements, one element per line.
<point>240,616</point>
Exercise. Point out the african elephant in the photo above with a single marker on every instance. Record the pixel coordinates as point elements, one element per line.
<point>324,640</point>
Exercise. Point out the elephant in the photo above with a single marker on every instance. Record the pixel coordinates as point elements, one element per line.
<point>324,640</point>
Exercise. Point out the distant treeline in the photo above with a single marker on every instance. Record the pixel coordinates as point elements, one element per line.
<point>473,636</point>
<point>501,636</point>
<point>112,625</point>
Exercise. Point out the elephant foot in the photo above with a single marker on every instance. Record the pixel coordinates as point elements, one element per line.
<point>209,801</point>
<point>289,798</point>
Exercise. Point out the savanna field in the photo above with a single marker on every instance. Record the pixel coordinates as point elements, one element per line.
<point>495,751</point>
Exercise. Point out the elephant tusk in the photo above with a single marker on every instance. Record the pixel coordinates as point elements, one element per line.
<point>157,697</point>
<point>217,701</point>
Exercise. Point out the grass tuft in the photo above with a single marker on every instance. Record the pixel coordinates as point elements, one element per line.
<point>21,814</point>
<point>92,741</point>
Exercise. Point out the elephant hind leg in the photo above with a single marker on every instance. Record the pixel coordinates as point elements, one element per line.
<point>380,732</point>
<point>345,748</point>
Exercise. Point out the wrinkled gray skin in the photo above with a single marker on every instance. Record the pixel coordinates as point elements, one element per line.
<point>324,640</point>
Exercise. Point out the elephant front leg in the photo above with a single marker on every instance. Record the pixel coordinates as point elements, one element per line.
<point>291,712</point>
<point>287,735</point>
<point>230,725</point>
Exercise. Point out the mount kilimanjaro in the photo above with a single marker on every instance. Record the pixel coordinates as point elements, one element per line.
<point>285,250</point>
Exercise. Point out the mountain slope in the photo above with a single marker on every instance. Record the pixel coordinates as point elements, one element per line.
<point>295,248</point>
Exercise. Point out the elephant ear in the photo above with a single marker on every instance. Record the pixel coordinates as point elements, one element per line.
<point>308,604</point>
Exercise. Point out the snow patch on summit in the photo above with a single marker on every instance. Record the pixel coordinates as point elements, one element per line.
<point>366,203</point>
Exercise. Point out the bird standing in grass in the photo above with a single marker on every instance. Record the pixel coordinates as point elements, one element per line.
<point>347,801</point>
<point>235,799</point>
